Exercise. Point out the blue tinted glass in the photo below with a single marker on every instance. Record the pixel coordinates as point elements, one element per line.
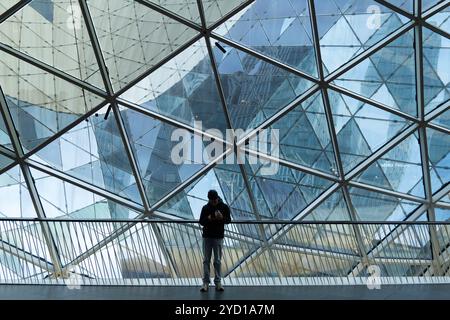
<point>254,90</point>
<point>93,151</point>
<point>279,29</point>
<point>388,76</point>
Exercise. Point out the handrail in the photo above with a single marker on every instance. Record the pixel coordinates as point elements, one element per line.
<point>169,252</point>
<point>269,221</point>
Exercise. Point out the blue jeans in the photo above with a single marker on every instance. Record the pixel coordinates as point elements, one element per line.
<point>212,245</point>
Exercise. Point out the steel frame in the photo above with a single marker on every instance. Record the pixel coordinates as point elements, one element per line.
<point>320,85</point>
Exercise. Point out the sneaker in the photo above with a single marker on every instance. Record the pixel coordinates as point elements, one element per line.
<point>219,287</point>
<point>204,288</point>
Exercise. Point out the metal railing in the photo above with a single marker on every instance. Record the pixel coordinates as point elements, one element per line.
<point>169,252</point>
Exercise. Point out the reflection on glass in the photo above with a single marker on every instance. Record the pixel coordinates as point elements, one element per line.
<point>183,89</point>
<point>400,169</point>
<point>40,103</point>
<point>254,90</point>
<point>93,151</point>
<point>55,33</point>
<point>279,29</point>
<point>137,40</point>
<point>388,76</point>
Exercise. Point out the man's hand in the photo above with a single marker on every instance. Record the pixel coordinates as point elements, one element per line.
<point>219,215</point>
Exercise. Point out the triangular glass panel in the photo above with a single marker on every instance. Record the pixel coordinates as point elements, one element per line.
<point>285,192</point>
<point>163,161</point>
<point>61,199</point>
<point>40,103</point>
<point>345,28</point>
<point>185,9</point>
<point>360,128</point>
<point>5,140</point>
<point>234,188</point>
<point>254,90</point>
<point>442,214</point>
<point>138,39</point>
<point>4,161</point>
<point>227,180</point>
<point>300,136</point>
<point>428,4</point>
<point>54,32</point>
<point>189,202</point>
<point>183,89</point>
<point>441,20</point>
<point>407,5</point>
<point>216,9</point>
<point>332,208</point>
<point>279,29</point>
<point>392,66</point>
<point>439,157</point>
<point>15,199</point>
<point>93,151</point>
<point>6,5</point>
<point>373,206</point>
<point>436,53</point>
<point>443,119</point>
<point>400,169</point>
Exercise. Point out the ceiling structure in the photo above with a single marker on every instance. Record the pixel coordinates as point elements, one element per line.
<point>92,90</point>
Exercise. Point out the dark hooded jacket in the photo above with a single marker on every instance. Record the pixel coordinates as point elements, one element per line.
<point>214,228</point>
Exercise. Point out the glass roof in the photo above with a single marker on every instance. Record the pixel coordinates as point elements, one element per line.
<point>354,95</point>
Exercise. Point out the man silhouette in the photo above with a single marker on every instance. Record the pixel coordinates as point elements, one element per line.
<point>215,214</point>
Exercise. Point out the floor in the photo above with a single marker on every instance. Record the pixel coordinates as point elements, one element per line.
<point>386,292</point>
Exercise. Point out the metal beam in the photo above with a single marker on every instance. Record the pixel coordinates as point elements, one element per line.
<point>332,130</point>
<point>444,191</point>
<point>391,236</point>
<point>343,256</point>
<point>230,14</point>
<point>14,137</point>
<point>6,152</point>
<point>438,128</point>
<point>131,158</point>
<point>11,11</point>
<point>63,131</point>
<point>371,102</point>
<point>171,121</point>
<point>370,51</point>
<point>26,256</point>
<point>84,185</point>
<point>396,9</point>
<point>381,151</point>
<point>441,6</point>
<point>275,117</point>
<point>156,66</point>
<point>230,126</point>
<point>284,230</point>
<point>391,193</point>
<point>170,14</point>
<point>418,55</point>
<point>8,167</point>
<point>264,58</point>
<point>435,29</point>
<point>292,165</point>
<point>96,47</point>
<point>444,107</point>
